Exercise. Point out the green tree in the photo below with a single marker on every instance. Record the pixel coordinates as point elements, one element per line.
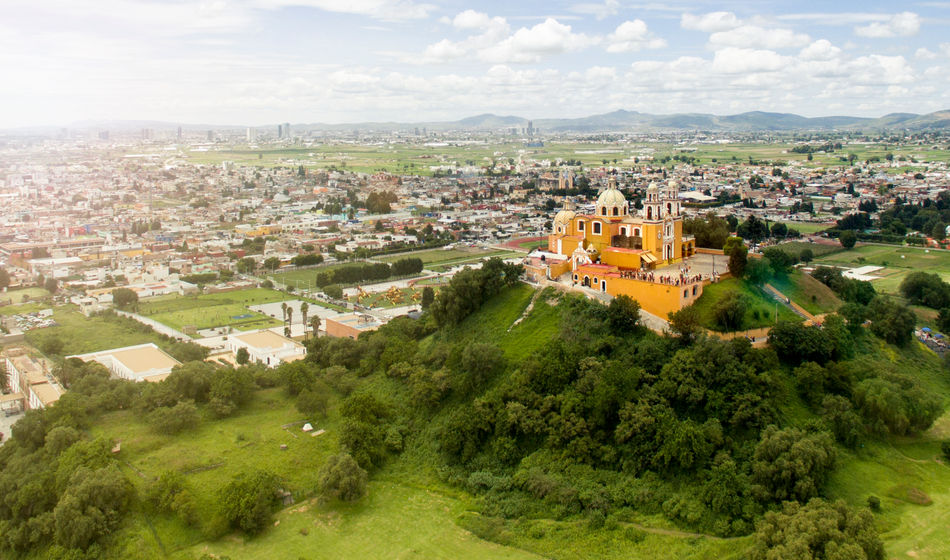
<point>847,239</point>
<point>272,263</point>
<point>342,478</point>
<point>333,291</point>
<point>51,285</point>
<point>791,464</point>
<point>806,256</point>
<point>4,278</point>
<point>687,323</point>
<point>624,314</point>
<point>124,298</point>
<point>818,530</point>
<point>738,255</point>
<point>242,356</point>
<point>246,265</point>
<point>730,311</point>
<point>428,296</point>
<point>249,500</point>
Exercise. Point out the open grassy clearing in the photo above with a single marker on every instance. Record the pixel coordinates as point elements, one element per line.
<point>804,290</point>
<point>898,263</point>
<point>795,248</point>
<point>446,265</point>
<point>761,310</point>
<point>207,311</point>
<point>81,334</point>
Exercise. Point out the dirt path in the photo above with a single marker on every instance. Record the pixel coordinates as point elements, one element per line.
<point>527,310</point>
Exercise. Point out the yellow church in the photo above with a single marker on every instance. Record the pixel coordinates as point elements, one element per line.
<point>614,251</point>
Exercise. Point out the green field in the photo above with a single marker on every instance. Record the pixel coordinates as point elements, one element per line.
<point>207,311</point>
<point>898,263</point>
<point>807,227</point>
<point>381,299</point>
<point>417,159</point>
<point>441,260</point>
<point>795,248</point>
<point>761,310</point>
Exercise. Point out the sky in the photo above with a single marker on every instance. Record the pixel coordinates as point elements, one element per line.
<point>256,62</point>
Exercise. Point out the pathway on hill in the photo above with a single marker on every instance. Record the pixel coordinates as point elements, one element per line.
<point>787,302</point>
<point>160,328</point>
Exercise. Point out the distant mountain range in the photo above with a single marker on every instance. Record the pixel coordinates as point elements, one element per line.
<point>616,121</point>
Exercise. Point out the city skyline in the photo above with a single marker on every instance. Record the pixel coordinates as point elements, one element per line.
<point>258,62</point>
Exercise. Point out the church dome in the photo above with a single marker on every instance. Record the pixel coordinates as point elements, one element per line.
<point>611,202</point>
<point>564,217</point>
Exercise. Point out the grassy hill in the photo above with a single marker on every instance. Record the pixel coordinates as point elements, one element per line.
<point>419,506</point>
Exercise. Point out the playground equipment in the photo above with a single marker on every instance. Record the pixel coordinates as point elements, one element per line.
<point>360,294</point>
<point>394,295</point>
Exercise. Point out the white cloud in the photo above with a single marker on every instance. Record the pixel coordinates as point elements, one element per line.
<point>470,19</point>
<point>903,24</point>
<point>600,11</point>
<point>822,49</point>
<point>633,36</point>
<point>711,22</point>
<point>497,44</point>
<point>924,53</point>
<point>733,60</point>
<point>530,44</point>
<point>378,9</point>
<point>752,36</point>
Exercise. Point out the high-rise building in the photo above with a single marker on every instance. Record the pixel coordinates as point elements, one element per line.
<point>210,136</point>
<point>287,130</point>
<point>250,135</point>
<point>179,133</point>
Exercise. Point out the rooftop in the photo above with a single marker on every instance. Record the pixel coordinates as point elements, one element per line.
<point>265,339</point>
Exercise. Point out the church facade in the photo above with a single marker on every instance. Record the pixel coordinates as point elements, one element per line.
<point>617,251</point>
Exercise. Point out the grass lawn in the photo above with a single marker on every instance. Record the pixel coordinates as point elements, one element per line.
<point>795,248</point>
<point>21,295</point>
<point>532,245</point>
<point>212,454</point>
<point>213,310</point>
<point>761,310</point>
<point>804,290</point>
<point>808,227</point>
<point>441,260</point>
<point>898,263</point>
<point>81,334</point>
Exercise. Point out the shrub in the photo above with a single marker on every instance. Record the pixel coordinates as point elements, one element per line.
<point>248,501</point>
<point>818,530</point>
<point>175,419</point>
<point>342,478</point>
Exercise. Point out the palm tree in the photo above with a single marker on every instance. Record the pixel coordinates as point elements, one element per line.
<point>304,308</point>
<point>283,307</point>
<point>315,325</point>
<point>290,317</point>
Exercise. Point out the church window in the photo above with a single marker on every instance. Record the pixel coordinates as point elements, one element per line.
<point>596,228</point>
<point>669,208</point>
<point>694,290</point>
<point>649,212</point>
<point>580,225</point>
<point>636,232</point>
<point>623,231</point>
<point>603,211</point>
<point>616,211</point>
<point>685,293</point>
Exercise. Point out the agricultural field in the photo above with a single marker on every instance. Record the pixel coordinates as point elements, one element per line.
<point>207,311</point>
<point>304,278</point>
<point>897,261</point>
<point>761,311</point>
<point>419,159</point>
<point>795,248</point>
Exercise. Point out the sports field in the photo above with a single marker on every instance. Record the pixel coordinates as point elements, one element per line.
<point>207,311</point>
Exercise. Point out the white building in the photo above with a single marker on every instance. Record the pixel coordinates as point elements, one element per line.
<point>267,347</point>
<point>144,362</point>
